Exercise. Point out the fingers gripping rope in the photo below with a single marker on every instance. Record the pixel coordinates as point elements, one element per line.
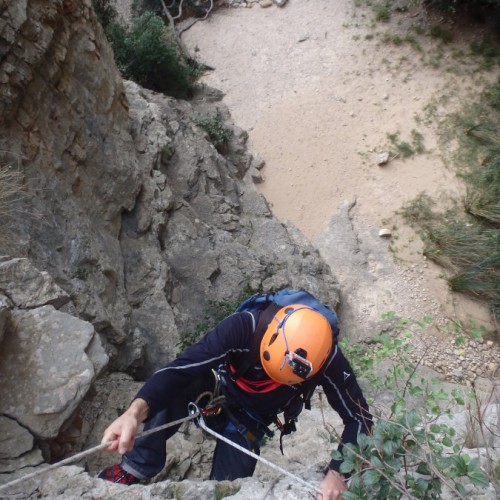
<point>194,410</point>
<point>95,449</point>
<point>194,413</point>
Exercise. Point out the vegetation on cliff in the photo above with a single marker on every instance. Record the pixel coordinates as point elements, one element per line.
<point>147,52</point>
<point>466,238</point>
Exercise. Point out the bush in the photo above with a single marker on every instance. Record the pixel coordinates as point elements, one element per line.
<point>189,8</point>
<point>412,452</point>
<point>406,149</point>
<point>454,5</point>
<point>145,55</point>
<point>470,250</point>
<point>140,7</point>
<point>217,132</point>
<point>441,34</point>
<point>382,12</point>
<point>214,313</point>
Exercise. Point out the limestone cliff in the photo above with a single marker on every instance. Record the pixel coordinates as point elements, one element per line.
<point>132,220</point>
<point>130,208</point>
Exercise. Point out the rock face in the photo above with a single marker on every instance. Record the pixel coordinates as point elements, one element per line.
<point>64,112</point>
<point>134,213</point>
<point>48,361</point>
<point>45,369</point>
<point>200,230</point>
<point>132,221</point>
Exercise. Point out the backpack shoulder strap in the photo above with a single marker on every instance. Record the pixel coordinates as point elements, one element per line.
<point>265,317</point>
<point>309,386</point>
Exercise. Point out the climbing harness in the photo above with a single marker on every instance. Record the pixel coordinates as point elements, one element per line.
<point>194,410</point>
<point>215,407</point>
<point>215,403</point>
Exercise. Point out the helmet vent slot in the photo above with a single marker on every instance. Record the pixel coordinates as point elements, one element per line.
<point>273,338</point>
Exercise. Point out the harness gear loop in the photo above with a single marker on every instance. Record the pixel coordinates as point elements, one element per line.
<point>217,405</point>
<point>215,400</point>
<point>234,423</point>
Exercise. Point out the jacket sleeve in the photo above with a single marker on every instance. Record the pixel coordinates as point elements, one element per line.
<point>346,398</point>
<point>231,335</point>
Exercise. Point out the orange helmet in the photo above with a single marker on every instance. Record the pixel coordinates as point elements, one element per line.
<point>296,344</point>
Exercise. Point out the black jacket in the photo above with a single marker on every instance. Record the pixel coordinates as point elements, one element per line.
<point>232,338</point>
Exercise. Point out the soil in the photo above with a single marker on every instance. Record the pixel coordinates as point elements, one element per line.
<point>319,86</point>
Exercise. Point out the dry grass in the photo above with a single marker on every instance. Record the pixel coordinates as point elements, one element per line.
<point>466,238</point>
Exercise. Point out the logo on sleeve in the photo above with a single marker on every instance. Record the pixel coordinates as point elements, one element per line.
<point>346,376</point>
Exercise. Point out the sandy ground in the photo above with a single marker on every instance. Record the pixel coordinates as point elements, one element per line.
<point>319,90</point>
<point>318,100</point>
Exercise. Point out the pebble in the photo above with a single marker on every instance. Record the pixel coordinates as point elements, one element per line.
<point>383,158</point>
<point>438,350</point>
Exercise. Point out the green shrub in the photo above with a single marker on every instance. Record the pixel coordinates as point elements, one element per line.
<point>411,452</point>
<point>140,7</point>
<point>468,249</point>
<point>145,54</point>
<point>382,12</point>
<point>492,95</point>
<point>406,149</point>
<point>441,34</point>
<point>472,6</point>
<point>190,8</point>
<point>418,141</point>
<point>465,239</point>
<point>214,126</point>
<point>489,50</point>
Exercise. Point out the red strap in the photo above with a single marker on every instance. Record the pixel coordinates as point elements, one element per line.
<point>255,386</point>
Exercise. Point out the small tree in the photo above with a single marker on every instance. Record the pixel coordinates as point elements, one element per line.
<point>146,54</point>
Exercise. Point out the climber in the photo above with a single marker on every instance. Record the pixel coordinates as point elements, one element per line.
<point>296,352</point>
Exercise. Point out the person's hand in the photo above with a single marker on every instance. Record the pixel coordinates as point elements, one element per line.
<point>123,430</point>
<point>332,486</point>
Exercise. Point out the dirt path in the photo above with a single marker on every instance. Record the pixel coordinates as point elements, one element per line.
<point>319,85</point>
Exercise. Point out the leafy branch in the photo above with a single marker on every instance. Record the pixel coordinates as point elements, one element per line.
<point>412,451</point>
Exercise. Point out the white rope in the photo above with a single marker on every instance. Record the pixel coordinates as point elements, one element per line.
<point>194,412</point>
<point>202,424</point>
<point>93,450</point>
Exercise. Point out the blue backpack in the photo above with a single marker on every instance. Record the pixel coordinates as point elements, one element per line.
<point>269,304</point>
<point>285,297</point>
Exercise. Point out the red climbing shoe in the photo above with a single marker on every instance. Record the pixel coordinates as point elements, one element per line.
<point>116,474</point>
